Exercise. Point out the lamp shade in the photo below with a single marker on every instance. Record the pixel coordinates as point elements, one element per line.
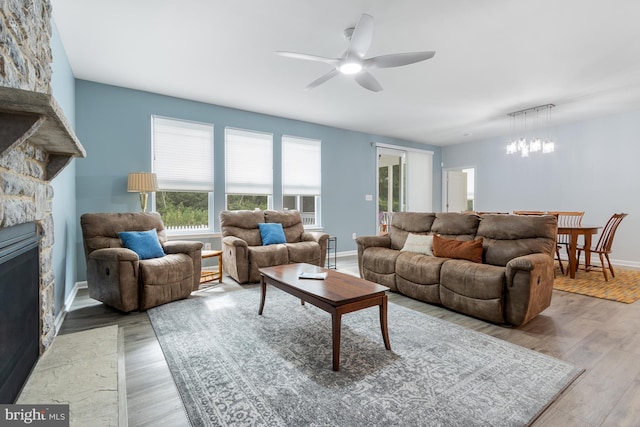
<point>142,182</point>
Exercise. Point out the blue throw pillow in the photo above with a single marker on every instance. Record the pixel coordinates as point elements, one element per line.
<point>271,233</point>
<point>144,243</point>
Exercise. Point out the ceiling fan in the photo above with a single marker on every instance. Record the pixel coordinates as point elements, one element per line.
<point>353,61</point>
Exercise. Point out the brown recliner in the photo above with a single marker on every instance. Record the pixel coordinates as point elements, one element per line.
<point>243,253</point>
<point>118,278</point>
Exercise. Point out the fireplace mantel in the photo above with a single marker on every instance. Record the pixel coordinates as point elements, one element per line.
<point>37,117</point>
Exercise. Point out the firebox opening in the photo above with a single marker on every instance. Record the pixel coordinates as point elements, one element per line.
<point>19,308</point>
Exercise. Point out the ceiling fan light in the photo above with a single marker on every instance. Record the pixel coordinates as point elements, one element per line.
<point>350,68</point>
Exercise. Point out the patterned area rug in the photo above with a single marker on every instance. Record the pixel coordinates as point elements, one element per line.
<point>625,287</point>
<point>234,367</point>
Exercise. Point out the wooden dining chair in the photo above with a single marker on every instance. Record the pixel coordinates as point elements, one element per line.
<point>565,219</point>
<point>603,247</point>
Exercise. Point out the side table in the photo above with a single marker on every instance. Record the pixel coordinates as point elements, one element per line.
<point>209,275</point>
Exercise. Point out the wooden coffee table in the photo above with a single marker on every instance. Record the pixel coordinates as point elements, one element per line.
<point>338,294</point>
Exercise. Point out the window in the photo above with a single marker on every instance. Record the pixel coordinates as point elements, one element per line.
<point>302,177</point>
<point>248,169</point>
<point>183,163</point>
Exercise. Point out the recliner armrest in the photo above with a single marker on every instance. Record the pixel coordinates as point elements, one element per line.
<point>529,287</point>
<point>113,254</point>
<point>181,246</point>
<point>527,263</point>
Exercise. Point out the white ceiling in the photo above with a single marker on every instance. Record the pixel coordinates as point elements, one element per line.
<point>492,57</point>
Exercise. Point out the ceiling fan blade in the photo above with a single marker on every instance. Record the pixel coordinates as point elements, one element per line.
<point>322,79</point>
<point>397,59</point>
<point>367,81</point>
<point>362,36</point>
<point>331,61</point>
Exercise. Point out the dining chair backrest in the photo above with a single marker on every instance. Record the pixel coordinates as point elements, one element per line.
<point>567,219</point>
<point>528,212</point>
<point>606,237</point>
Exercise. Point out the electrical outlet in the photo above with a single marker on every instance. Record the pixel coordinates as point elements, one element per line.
<point>353,236</point>
<point>207,246</point>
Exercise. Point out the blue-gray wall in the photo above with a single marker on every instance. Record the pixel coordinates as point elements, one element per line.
<point>64,185</point>
<point>593,169</point>
<point>114,126</point>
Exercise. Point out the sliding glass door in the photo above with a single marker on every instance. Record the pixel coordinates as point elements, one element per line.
<point>404,179</point>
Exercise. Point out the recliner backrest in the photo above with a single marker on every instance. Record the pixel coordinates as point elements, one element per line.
<point>455,225</point>
<point>509,236</point>
<point>100,230</point>
<point>403,223</point>
<point>291,223</point>
<point>242,224</point>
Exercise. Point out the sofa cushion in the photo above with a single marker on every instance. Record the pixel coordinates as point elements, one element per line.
<point>168,269</point>
<point>419,243</point>
<point>307,252</point>
<point>143,243</point>
<point>419,268</point>
<point>458,249</point>
<point>271,234</point>
<point>165,279</point>
<point>380,260</point>
<point>268,256</point>
<point>475,289</point>
<point>510,236</point>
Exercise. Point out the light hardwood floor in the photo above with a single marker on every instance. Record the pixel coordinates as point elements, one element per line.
<point>598,335</point>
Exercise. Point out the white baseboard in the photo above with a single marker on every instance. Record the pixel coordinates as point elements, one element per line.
<point>346,253</point>
<point>615,262</point>
<point>67,304</point>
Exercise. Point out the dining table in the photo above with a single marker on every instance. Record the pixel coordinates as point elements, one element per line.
<point>573,232</point>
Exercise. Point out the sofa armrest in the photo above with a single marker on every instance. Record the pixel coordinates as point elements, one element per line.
<point>370,241</point>
<point>365,242</point>
<point>529,287</point>
<point>320,238</point>
<point>191,248</point>
<point>235,258</point>
<point>234,241</point>
<point>314,236</point>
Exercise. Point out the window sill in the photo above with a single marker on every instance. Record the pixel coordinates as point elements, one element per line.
<point>186,235</point>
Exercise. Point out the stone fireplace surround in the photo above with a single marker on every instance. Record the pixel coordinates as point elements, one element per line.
<point>36,141</point>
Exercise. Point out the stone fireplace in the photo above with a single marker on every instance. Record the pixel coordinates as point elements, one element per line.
<point>36,141</point>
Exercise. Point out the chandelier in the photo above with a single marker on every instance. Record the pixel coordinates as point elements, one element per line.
<point>530,117</point>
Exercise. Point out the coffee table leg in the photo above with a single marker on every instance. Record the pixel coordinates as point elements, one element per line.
<point>383,323</point>
<point>336,320</point>
<point>263,285</point>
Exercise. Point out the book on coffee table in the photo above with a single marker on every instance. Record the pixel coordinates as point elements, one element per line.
<point>310,275</point>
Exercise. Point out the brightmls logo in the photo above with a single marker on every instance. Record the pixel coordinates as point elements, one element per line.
<point>34,415</point>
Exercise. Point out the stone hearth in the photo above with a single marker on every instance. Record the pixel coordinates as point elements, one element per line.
<point>36,141</point>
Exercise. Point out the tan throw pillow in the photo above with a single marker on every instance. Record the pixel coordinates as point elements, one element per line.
<point>458,249</point>
<point>420,243</point>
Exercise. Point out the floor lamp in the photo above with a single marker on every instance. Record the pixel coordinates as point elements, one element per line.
<point>143,183</point>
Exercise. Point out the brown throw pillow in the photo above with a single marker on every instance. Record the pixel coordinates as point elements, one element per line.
<point>458,249</point>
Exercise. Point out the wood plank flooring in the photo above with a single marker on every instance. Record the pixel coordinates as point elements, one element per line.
<point>598,335</point>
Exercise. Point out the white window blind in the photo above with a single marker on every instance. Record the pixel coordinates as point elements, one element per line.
<point>419,181</point>
<point>248,162</point>
<point>182,154</point>
<point>301,166</point>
